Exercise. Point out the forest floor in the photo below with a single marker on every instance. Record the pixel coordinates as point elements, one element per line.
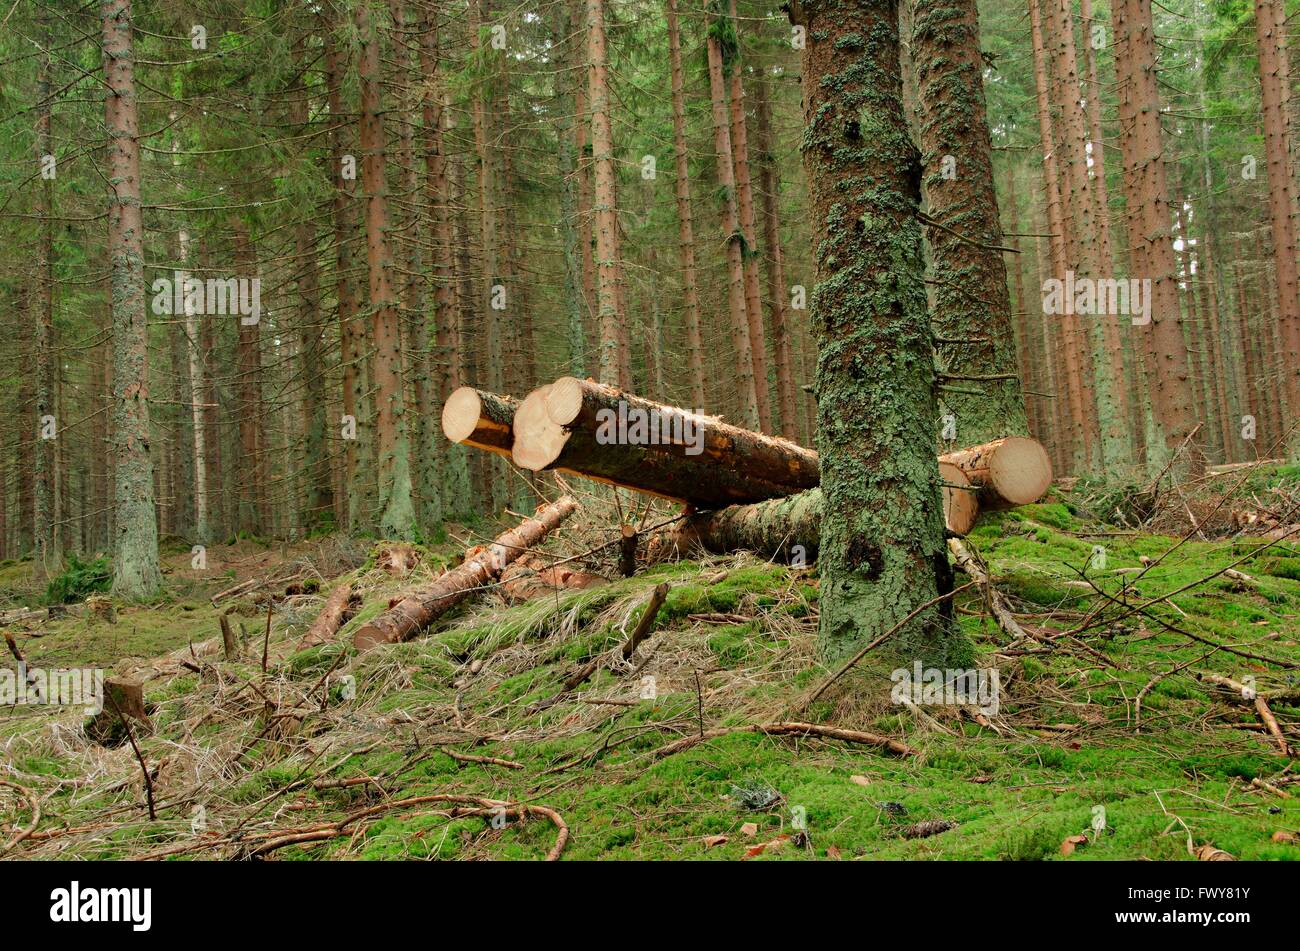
<point>443,747</point>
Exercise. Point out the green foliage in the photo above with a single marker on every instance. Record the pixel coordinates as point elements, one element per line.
<point>79,579</point>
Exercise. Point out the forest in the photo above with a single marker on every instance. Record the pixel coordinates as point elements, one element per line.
<point>615,429</point>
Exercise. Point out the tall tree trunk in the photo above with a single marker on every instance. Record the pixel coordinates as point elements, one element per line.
<point>453,465</point>
<point>1116,412</point>
<point>747,387</point>
<point>770,185</point>
<point>745,209</point>
<point>396,513</point>
<point>135,552</point>
<point>972,311</point>
<point>882,551</point>
<point>48,555</point>
<point>685,225</point>
<point>1149,221</point>
<point>351,335</point>
<point>1068,404</point>
<point>1270,36</point>
<point>606,224</point>
<point>1077,202</point>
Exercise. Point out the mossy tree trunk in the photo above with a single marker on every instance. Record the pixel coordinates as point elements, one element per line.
<point>882,552</point>
<point>135,551</point>
<point>972,309</point>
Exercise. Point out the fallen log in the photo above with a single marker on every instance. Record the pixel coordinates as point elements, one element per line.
<point>482,565</point>
<point>1011,471</point>
<point>480,419</point>
<point>530,577</point>
<point>789,529</point>
<point>603,434</point>
<point>339,607</point>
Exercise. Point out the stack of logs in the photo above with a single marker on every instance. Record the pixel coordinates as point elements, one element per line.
<point>741,489</point>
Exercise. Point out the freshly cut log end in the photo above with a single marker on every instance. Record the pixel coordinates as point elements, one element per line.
<point>538,440</point>
<point>1014,470</point>
<point>480,419</point>
<point>564,401</point>
<point>960,504</point>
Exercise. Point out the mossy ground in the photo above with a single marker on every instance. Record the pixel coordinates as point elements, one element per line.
<point>1066,740</point>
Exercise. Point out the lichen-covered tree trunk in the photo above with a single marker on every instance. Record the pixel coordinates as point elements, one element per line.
<point>135,549</point>
<point>396,511</point>
<point>685,225</point>
<point>882,552</point>
<point>972,308</point>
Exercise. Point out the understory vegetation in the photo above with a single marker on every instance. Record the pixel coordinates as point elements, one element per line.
<point>1106,744</point>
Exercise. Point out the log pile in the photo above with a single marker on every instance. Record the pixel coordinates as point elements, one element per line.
<point>742,489</point>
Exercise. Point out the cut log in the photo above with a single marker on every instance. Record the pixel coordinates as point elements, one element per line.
<point>1011,471</point>
<point>788,529</point>
<point>537,440</point>
<point>482,565</point>
<point>623,440</point>
<point>529,577</point>
<point>341,604</point>
<point>480,419</point>
<point>960,503</point>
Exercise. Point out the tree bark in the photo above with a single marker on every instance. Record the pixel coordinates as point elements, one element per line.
<point>770,186</point>
<point>396,513</point>
<point>971,303</point>
<point>1149,222</point>
<point>606,224</point>
<point>685,226</point>
<point>882,553</point>
<point>135,554</point>
<point>1270,35</point>
<point>745,211</point>
<point>747,386</point>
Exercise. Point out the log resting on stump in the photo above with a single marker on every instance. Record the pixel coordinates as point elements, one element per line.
<point>789,529</point>
<point>1011,471</point>
<point>590,430</point>
<point>480,419</point>
<point>482,565</point>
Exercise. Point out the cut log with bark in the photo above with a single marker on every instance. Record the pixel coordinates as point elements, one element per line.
<point>1011,471</point>
<point>341,604</point>
<point>482,566</point>
<point>531,577</point>
<point>480,419</point>
<point>788,529</point>
<point>614,437</point>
